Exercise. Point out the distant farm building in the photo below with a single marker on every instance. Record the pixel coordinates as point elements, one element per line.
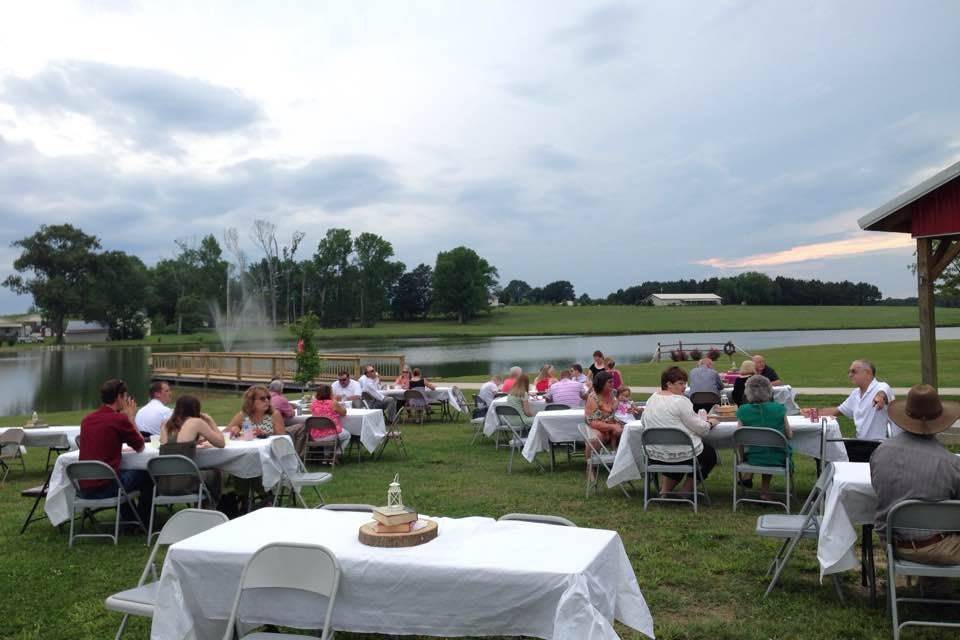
<point>677,299</point>
<point>80,332</point>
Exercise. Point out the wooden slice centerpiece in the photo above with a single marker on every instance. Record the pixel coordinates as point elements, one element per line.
<point>423,531</point>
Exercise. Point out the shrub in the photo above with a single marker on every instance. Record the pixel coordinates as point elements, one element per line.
<point>678,355</point>
<point>695,354</point>
<point>713,354</point>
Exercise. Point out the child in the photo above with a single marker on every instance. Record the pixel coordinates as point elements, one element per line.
<point>627,409</point>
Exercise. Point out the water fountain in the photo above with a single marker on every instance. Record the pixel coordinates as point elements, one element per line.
<point>228,324</point>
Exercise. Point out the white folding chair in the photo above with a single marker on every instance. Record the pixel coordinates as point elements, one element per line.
<point>510,418</point>
<point>10,443</point>
<point>293,474</point>
<point>761,437</point>
<point>176,480</point>
<point>671,436</point>
<point>300,567</point>
<point>141,599</point>
<point>600,458</point>
<point>534,517</point>
<point>96,470</point>
<point>323,451</point>
<point>793,528</point>
<point>357,508</point>
<point>931,517</point>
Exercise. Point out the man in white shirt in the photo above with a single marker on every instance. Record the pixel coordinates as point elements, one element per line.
<point>370,383</point>
<point>867,404</point>
<point>346,390</point>
<point>155,412</point>
<point>489,390</point>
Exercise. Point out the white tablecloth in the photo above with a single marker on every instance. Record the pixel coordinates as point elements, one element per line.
<point>244,459</point>
<point>478,577</point>
<point>368,424</point>
<point>490,420</point>
<point>49,436</point>
<point>783,394</point>
<point>849,503</point>
<point>806,441</point>
<point>440,394</point>
<point>552,426</point>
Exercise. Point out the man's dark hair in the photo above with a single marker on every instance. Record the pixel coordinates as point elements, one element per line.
<point>343,372</point>
<point>111,390</point>
<point>672,374</point>
<point>576,367</point>
<point>156,387</point>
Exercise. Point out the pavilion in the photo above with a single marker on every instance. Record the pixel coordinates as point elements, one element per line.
<point>930,212</point>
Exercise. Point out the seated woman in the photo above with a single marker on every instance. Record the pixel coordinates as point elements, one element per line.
<point>258,410</point>
<point>324,405</point>
<point>187,424</point>
<point>747,369</point>
<point>668,407</point>
<point>545,379</point>
<point>612,370</point>
<point>417,381</point>
<point>518,398</point>
<point>599,413</point>
<point>761,411</point>
<point>403,380</point>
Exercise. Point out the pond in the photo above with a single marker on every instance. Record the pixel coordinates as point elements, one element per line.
<point>54,380</point>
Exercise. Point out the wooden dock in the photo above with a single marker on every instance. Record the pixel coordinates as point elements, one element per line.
<point>242,369</point>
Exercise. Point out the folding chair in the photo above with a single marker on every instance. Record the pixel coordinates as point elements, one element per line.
<point>414,402</point>
<point>96,470</point>
<point>541,519</point>
<point>393,434</point>
<point>508,418</point>
<point>176,480</point>
<point>141,599</point>
<point>282,565</point>
<point>567,445</point>
<point>461,401</point>
<point>39,492</point>
<point>670,436</point>
<point>704,400</point>
<point>792,528</point>
<point>293,474</point>
<point>367,399</point>
<point>600,457</point>
<point>325,450</point>
<point>10,442</point>
<point>932,517</point>
<point>359,508</point>
<point>556,406</point>
<point>761,437</point>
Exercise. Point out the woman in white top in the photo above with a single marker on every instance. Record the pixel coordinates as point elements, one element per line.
<point>670,408</point>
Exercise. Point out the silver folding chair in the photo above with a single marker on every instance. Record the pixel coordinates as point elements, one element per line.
<point>931,518</point>
<point>294,475</point>
<point>358,508</point>
<point>10,442</point>
<point>141,599</point>
<point>510,418</point>
<point>281,565</point>
<point>176,480</point>
<point>761,437</point>
<point>600,458</point>
<point>671,436</point>
<point>325,450</point>
<point>96,470</point>
<point>541,519</point>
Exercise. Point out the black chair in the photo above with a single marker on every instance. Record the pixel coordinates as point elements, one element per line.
<point>704,400</point>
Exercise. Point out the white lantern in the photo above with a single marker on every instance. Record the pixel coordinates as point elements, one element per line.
<point>394,494</point>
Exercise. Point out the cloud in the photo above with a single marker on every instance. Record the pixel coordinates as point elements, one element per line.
<point>850,247</point>
<point>547,157</point>
<point>142,108</point>
<point>600,35</point>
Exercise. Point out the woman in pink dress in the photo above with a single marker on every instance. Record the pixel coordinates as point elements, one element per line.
<point>325,405</point>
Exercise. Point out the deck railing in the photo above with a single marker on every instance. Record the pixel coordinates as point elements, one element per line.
<point>253,367</point>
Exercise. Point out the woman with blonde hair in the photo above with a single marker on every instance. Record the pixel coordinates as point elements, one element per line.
<point>257,409</point>
<point>546,378</point>
<point>518,398</point>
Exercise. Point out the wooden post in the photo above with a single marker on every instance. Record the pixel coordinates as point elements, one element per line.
<point>928,324</point>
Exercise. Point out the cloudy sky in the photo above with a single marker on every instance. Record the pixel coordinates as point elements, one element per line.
<point>604,144</point>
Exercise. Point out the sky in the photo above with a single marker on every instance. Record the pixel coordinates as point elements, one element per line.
<point>601,143</point>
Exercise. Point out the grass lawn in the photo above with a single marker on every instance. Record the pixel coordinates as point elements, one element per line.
<point>898,363</point>
<point>605,320</point>
<point>702,575</point>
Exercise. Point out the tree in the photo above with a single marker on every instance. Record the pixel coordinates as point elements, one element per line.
<point>412,293</point>
<point>558,292</point>
<point>461,283</point>
<point>265,236</point>
<point>60,258</point>
<point>376,275</point>
<point>118,294</point>
<point>308,360</point>
<point>335,278</point>
<point>514,293</point>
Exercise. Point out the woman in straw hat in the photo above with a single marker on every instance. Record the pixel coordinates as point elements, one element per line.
<point>916,466</point>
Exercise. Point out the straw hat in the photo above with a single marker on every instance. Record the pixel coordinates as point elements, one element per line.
<point>748,368</point>
<point>923,412</point>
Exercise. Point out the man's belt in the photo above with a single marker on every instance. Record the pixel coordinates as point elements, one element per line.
<point>922,543</point>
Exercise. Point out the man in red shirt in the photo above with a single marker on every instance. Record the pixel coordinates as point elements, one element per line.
<point>102,436</point>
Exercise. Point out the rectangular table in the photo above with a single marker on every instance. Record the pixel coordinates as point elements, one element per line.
<point>805,441</point>
<point>552,426</point>
<point>849,503</point>
<point>367,424</point>
<point>783,394</point>
<point>478,577</point>
<point>48,437</point>
<point>244,459</point>
<point>440,394</point>
<point>490,420</point>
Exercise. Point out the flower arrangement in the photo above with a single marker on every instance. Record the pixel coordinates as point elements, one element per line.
<point>678,355</point>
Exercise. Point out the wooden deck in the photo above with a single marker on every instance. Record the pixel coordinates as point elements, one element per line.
<point>242,369</point>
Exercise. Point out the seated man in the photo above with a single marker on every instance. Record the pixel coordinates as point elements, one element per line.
<point>370,384</point>
<point>767,372</point>
<point>488,390</point>
<point>577,374</point>
<point>566,390</point>
<point>508,383</point>
<point>867,405</point>
<point>102,436</point>
<point>279,402</point>
<point>704,378</point>
<point>915,466</point>
<point>155,412</point>
<point>346,390</point>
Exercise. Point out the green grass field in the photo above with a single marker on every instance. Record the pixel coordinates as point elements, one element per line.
<point>609,320</point>
<point>702,575</point>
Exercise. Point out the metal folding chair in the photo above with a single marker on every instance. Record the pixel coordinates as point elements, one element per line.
<point>176,480</point>
<point>414,403</point>
<point>96,470</point>
<point>704,400</point>
<point>671,436</point>
<point>540,519</point>
<point>508,419</point>
<point>517,441</point>
<point>323,451</point>
<point>10,442</point>
<point>600,458</point>
<point>358,508</point>
<point>761,437</point>
<point>933,517</point>
<point>293,474</point>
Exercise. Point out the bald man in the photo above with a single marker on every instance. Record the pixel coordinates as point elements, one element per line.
<point>767,372</point>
